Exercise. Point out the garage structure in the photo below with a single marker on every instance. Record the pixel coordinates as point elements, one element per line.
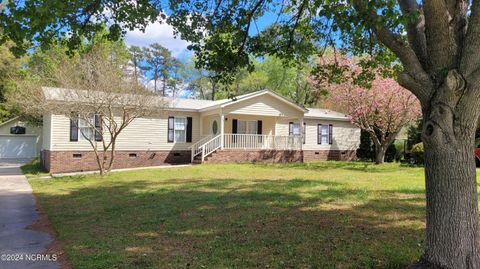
<point>19,139</point>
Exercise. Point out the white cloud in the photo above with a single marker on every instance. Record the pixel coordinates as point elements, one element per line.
<point>157,32</point>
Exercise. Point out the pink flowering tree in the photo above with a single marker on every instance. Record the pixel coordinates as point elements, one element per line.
<point>381,109</point>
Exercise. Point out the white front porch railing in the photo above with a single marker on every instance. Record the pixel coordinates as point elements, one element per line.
<point>197,147</point>
<point>211,145</point>
<point>267,142</point>
<point>207,145</point>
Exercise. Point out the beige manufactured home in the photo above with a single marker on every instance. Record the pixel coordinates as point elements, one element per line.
<point>256,127</point>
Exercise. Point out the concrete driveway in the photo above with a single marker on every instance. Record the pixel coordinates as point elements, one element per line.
<point>20,248</point>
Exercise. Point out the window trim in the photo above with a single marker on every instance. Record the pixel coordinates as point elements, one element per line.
<point>184,130</point>
<point>170,128</point>
<point>329,134</point>
<point>291,129</point>
<point>76,133</point>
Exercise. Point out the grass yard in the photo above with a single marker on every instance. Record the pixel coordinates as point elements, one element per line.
<point>319,215</point>
<point>34,169</point>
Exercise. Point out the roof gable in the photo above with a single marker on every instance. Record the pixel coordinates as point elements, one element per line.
<point>249,96</point>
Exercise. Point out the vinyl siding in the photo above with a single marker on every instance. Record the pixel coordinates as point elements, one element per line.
<point>281,128</point>
<point>206,121</point>
<point>264,105</point>
<point>345,135</point>
<point>141,134</point>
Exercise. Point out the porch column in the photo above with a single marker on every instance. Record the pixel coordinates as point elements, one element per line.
<point>222,131</point>
<point>302,134</point>
<point>201,127</point>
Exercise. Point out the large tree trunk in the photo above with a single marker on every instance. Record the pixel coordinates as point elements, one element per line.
<point>452,239</point>
<point>380,154</point>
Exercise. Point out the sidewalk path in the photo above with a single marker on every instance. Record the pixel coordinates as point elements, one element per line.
<point>17,211</point>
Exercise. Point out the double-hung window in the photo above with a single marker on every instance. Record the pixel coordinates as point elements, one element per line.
<point>85,129</point>
<point>180,129</point>
<point>324,134</point>
<point>294,129</point>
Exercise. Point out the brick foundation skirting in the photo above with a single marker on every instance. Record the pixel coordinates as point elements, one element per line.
<point>277,156</point>
<point>76,161</point>
<point>329,155</point>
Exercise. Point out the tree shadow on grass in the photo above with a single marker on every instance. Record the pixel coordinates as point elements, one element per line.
<point>369,167</point>
<point>224,224</point>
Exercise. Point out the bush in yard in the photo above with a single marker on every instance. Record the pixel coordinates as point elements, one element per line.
<point>414,133</point>
<point>417,153</point>
<point>400,149</point>
<point>391,153</point>
<point>366,150</point>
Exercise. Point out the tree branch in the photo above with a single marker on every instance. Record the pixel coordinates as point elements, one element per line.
<point>470,61</point>
<point>404,52</point>
<point>406,81</point>
<point>297,20</point>
<point>249,22</point>
<point>445,22</point>
<point>415,29</point>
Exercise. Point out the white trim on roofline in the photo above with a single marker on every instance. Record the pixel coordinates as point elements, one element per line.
<point>52,94</point>
<point>253,95</point>
<point>327,118</point>
<point>10,120</point>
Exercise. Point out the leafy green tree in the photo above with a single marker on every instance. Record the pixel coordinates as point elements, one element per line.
<point>270,73</point>
<point>45,62</point>
<point>176,80</point>
<point>27,23</point>
<point>200,82</point>
<point>136,58</point>
<point>159,63</point>
<point>433,44</point>
<point>9,69</point>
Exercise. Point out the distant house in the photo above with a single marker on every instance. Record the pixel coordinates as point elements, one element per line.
<point>18,139</point>
<point>256,127</point>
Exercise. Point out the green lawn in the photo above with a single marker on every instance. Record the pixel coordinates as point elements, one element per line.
<point>34,169</point>
<point>319,215</point>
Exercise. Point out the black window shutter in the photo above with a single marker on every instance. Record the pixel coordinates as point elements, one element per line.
<point>189,129</point>
<point>234,126</point>
<point>170,132</point>
<point>98,127</point>
<point>290,128</point>
<point>319,134</point>
<point>73,127</point>
<point>330,133</point>
<point>259,127</point>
